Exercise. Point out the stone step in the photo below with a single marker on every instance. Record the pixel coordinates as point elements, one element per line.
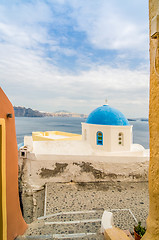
<point>73,216</point>
<point>71,227</point>
<point>66,231</point>
<point>80,236</point>
<point>123,218</point>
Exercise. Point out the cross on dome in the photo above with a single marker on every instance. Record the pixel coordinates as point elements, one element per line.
<point>106,101</point>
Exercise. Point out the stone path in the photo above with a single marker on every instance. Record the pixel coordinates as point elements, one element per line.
<point>74,210</point>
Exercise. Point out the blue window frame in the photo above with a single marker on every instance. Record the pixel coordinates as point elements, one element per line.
<point>99,138</point>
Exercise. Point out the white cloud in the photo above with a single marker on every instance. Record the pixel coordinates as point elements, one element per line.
<point>23,13</point>
<point>108,26</point>
<point>24,24</point>
<point>33,79</point>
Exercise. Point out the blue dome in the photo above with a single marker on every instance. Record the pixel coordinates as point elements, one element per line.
<point>106,115</point>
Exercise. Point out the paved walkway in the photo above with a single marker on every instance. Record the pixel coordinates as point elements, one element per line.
<point>74,210</point>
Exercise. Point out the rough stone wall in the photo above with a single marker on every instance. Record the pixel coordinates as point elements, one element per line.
<point>31,198</point>
<point>33,204</point>
<point>153,218</point>
<point>39,172</point>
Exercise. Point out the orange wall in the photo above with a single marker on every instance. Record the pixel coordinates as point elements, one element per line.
<point>15,222</point>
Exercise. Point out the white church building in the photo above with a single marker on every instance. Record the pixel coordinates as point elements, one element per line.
<point>105,144</point>
<point>108,130</point>
<point>105,132</point>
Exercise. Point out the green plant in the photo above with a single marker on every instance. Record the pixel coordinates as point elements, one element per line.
<point>139,229</point>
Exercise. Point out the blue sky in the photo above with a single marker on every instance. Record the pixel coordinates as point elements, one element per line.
<point>71,54</point>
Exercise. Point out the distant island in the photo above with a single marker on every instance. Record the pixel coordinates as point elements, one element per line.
<point>138,119</point>
<point>28,112</point>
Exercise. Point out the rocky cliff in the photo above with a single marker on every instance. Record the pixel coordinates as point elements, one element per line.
<point>27,112</point>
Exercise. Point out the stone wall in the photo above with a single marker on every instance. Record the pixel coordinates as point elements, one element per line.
<point>153,218</point>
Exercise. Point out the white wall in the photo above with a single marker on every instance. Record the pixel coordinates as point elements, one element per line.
<point>62,147</point>
<point>110,137</point>
<point>127,138</point>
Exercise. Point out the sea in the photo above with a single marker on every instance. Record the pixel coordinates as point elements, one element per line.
<point>26,125</point>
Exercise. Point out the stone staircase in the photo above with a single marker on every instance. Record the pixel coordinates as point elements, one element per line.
<point>67,225</point>
<point>75,225</point>
<point>74,211</point>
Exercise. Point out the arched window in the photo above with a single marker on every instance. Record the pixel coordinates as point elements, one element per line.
<point>99,138</point>
<point>121,139</point>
